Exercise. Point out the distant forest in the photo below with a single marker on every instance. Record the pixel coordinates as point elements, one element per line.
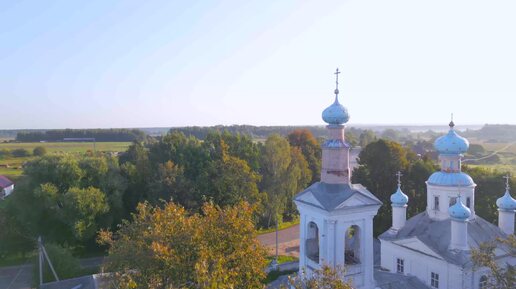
<point>488,133</point>
<point>100,135</point>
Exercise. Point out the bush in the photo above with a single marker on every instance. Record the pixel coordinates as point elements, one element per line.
<point>66,265</point>
<point>4,153</point>
<point>19,153</point>
<point>39,151</point>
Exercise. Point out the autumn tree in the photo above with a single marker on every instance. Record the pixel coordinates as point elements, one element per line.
<point>169,248</point>
<point>501,276</point>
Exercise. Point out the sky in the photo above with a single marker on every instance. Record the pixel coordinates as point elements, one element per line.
<point>100,64</point>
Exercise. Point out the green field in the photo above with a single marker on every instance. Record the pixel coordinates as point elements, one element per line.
<point>14,169</point>
<point>505,151</point>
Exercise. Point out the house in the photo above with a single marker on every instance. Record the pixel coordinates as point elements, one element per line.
<point>6,187</point>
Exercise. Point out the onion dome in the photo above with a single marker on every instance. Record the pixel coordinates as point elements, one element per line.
<point>451,143</point>
<point>336,113</point>
<point>506,202</point>
<point>450,179</point>
<point>459,211</point>
<point>399,198</point>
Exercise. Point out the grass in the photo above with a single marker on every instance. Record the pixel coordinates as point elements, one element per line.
<point>274,275</point>
<point>14,171</point>
<point>16,259</point>
<point>283,259</point>
<point>282,226</point>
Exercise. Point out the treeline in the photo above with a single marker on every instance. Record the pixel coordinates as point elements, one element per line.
<point>100,135</point>
<point>67,198</point>
<point>494,133</point>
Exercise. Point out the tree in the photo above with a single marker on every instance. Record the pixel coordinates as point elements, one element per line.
<point>324,278</point>
<point>304,140</point>
<point>169,248</point>
<point>65,265</point>
<point>378,163</point>
<point>500,277</point>
<point>20,153</point>
<point>366,137</point>
<point>276,179</point>
<point>39,151</point>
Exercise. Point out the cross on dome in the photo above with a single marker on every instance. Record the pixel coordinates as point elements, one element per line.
<point>507,179</point>
<point>337,72</point>
<point>399,175</point>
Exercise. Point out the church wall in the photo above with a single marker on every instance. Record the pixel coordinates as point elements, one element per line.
<point>445,194</point>
<point>421,266</point>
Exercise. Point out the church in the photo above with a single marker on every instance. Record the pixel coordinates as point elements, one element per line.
<point>429,250</point>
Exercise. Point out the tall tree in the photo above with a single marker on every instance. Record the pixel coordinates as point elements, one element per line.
<point>169,248</point>
<point>304,140</point>
<point>378,163</point>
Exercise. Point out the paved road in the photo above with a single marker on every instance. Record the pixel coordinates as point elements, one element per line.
<point>288,240</point>
<point>16,277</point>
<point>20,277</point>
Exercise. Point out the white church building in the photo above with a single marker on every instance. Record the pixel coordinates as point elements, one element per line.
<point>429,250</point>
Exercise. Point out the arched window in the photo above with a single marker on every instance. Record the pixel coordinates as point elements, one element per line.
<point>352,246</point>
<point>312,242</point>
<point>483,282</point>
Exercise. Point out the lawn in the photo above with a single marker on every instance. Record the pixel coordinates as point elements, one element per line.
<point>14,165</point>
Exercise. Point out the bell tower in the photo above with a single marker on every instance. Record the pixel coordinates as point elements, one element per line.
<point>336,226</point>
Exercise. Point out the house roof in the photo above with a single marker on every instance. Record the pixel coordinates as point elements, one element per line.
<point>5,182</point>
<point>330,196</point>
<point>387,280</point>
<point>436,235</point>
<point>96,281</point>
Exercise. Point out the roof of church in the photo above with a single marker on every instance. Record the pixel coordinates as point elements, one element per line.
<point>330,196</point>
<point>387,280</point>
<point>436,235</point>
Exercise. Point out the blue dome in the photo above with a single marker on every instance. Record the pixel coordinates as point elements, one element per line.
<point>335,113</point>
<point>506,203</point>
<point>399,198</point>
<point>450,179</point>
<point>451,143</point>
<point>459,211</point>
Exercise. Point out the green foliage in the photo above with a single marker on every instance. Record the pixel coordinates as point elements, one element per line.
<point>378,163</point>
<point>65,265</point>
<point>20,153</point>
<point>66,199</point>
<point>311,149</point>
<point>169,248</point>
<point>39,151</point>
<point>284,173</point>
<point>500,277</point>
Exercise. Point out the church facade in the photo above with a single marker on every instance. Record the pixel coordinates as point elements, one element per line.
<point>430,250</point>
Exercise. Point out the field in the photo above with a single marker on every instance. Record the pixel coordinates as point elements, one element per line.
<point>506,152</point>
<point>11,167</point>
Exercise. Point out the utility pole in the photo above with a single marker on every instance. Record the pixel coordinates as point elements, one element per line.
<point>42,252</point>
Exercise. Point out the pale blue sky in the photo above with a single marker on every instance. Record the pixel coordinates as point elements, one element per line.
<point>174,63</point>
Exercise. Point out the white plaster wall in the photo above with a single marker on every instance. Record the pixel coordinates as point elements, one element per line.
<point>506,221</point>
<point>8,190</point>
<point>445,194</point>
<point>332,229</point>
